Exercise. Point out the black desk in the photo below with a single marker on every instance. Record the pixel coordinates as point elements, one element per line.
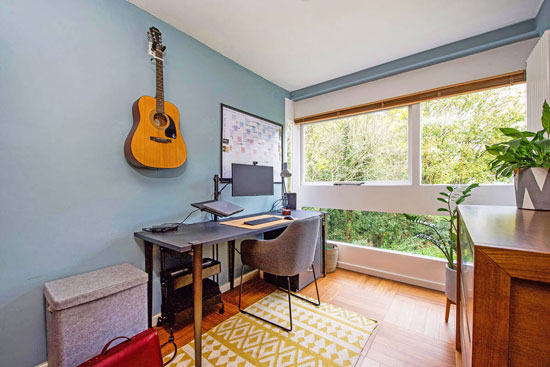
<point>191,238</point>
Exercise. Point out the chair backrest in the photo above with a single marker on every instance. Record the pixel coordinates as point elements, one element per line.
<point>299,242</point>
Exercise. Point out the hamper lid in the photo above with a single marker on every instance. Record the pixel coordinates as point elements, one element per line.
<point>87,287</point>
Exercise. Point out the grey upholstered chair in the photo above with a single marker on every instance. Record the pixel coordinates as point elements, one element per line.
<point>287,255</point>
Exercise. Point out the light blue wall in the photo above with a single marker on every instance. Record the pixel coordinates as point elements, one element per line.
<point>69,73</point>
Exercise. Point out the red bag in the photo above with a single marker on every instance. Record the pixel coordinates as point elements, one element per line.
<point>143,350</point>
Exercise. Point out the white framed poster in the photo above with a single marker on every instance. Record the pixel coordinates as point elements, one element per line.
<point>250,139</point>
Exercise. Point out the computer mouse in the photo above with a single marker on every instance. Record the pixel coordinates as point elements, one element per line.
<point>289,217</point>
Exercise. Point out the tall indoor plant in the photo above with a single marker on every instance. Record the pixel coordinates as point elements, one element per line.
<point>446,242</point>
<point>527,156</point>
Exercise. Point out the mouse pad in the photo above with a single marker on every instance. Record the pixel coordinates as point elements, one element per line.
<point>240,222</point>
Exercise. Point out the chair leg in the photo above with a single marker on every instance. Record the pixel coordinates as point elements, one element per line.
<point>260,318</point>
<point>289,302</point>
<point>318,303</point>
<point>241,287</point>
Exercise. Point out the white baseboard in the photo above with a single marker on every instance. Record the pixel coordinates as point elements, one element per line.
<point>246,277</point>
<point>223,288</point>
<point>392,276</point>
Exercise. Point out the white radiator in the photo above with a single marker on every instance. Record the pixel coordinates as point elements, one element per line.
<point>538,81</point>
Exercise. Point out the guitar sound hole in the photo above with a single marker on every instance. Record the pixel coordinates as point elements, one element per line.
<point>160,119</point>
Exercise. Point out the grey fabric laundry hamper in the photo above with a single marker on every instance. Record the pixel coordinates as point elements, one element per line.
<point>85,311</point>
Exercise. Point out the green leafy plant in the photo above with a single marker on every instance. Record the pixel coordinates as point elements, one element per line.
<point>446,242</point>
<point>525,149</point>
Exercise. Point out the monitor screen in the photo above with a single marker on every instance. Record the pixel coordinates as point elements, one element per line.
<point>249,180</point>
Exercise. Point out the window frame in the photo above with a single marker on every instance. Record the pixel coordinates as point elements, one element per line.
<point>414,156</point>
<point>408,182</point>
<point>441,185</point>
<point>288,147</point>
<point>492,82</point>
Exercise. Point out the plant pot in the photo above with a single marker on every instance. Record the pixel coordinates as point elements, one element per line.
<point>450,283</point>
<point>532,188</point>
<point>332,257</point>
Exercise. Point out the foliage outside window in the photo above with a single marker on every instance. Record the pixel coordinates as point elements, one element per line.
<point>368,147</point>
<point>390,231</point>
<point>455,131</point>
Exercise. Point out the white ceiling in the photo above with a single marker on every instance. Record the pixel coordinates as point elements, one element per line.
<point>298,43</point>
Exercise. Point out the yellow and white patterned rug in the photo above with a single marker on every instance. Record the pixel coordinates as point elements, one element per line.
<point>323,336</point>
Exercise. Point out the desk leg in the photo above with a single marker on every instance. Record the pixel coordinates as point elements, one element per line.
<point>197,301</point>
<point>149,270</point>
<point>231,260</point>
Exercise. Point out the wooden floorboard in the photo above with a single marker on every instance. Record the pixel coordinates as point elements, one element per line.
<point>412,330</point>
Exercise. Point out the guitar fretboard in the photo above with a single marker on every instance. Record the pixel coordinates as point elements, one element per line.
<point>160,83</point>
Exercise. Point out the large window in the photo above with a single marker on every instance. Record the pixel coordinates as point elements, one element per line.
<point>390,231</point>
<point>368,147</point>
<point>455,131</point>
<point>437,142</point>
<point>374,147</point>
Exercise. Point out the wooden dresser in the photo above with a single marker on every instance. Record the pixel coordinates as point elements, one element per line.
<point>503,308</point>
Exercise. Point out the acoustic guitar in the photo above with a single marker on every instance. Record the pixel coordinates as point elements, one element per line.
<point>155,140</point>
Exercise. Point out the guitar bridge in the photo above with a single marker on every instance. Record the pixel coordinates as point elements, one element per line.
<point>160,140</point>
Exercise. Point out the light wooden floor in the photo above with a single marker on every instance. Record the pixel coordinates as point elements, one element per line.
<point>411,332</point>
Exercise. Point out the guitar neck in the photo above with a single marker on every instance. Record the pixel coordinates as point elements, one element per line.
<point>160,83</point>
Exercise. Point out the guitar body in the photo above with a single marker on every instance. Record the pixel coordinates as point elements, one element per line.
<point>155,140</point>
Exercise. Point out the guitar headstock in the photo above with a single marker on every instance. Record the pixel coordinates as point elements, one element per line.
<point>156,40</point>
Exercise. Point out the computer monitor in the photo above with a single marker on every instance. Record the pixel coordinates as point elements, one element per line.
<point>251,180</point>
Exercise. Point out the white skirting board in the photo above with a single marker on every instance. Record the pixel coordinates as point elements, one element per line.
<point>423,271</point>
<point>223,288</point>
<point>392,276</point>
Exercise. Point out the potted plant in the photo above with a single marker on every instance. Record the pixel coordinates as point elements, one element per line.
<point>527,156</point>
<point>331,257</point>
<point>446,242</point>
